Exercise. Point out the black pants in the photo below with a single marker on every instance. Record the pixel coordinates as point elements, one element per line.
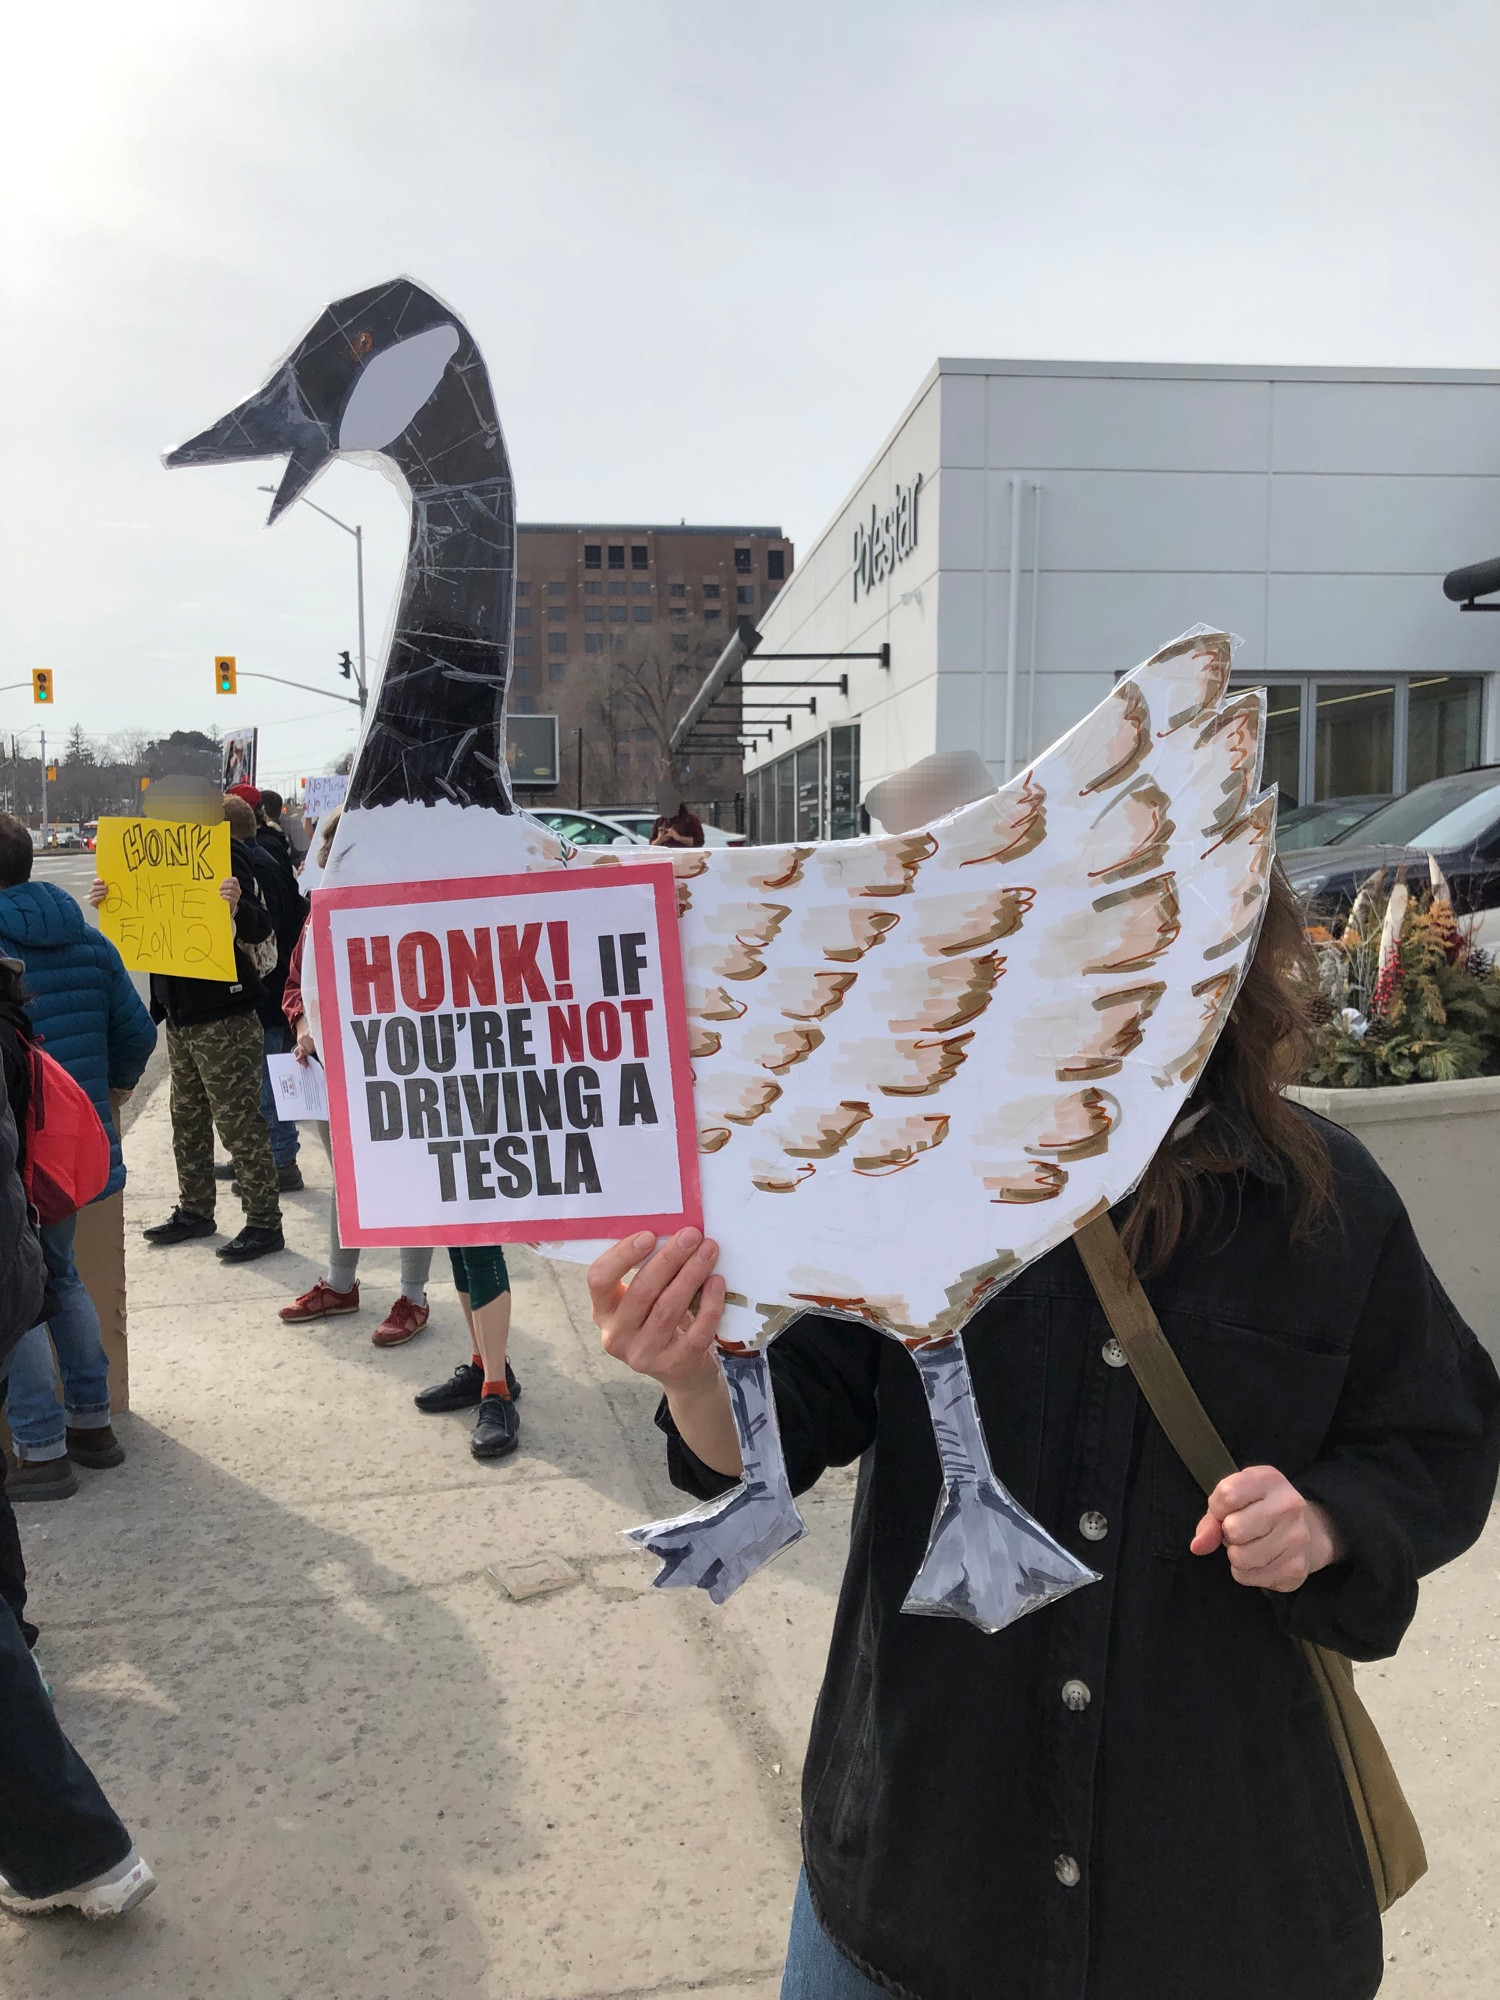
<point>57,1828</point>
<point>12,1564</point>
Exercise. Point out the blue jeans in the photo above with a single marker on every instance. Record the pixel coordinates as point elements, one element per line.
<point>285,1138</point>
<point>37,1421</point>
<point>815,1968</point>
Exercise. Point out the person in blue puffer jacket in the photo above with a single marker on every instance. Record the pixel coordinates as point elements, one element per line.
<point>87,1015</point>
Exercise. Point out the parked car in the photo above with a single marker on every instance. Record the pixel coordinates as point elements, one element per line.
<point>1325,820</point>
<point>586,829</point>
<point>1456,820</point>
<point>642,823</point>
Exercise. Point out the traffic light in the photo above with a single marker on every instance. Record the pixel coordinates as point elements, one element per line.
<point>346,665</point>
<point>226,680</point>
<point>41,684</point>
<point>51,774</point>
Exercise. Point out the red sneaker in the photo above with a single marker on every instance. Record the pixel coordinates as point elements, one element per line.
<point>322,1302</point>
<point>402,1323</point>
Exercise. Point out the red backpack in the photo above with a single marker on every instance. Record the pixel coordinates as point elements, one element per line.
<point>67,1147</point>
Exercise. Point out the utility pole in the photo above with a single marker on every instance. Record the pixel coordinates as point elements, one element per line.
<point>578,745</point>
<point>359,574</point>
<point>44,788</point>
<point>359,571</point>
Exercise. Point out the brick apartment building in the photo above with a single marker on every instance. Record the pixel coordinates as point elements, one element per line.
<point>615,628</point>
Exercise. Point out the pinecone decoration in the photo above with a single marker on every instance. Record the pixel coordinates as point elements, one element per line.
<point>1320,1010</point>
<point>1379,1030</point>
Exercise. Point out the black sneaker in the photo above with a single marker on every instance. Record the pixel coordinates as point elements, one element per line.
<point>462,1390</point>
<point>289,1179</point>
<point>181,1226</point>
<point>498,1430</point>
<point>252,1241</point>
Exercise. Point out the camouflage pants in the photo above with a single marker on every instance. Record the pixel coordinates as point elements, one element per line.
<point>216,1068</point>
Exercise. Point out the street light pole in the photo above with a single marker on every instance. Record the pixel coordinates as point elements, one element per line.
<point>359,575</point>
<point>359,571</point>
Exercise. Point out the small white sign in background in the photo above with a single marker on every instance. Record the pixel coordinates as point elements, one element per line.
<point>507,1058</point>
<point>321,795</point>
<point>300,1090</point>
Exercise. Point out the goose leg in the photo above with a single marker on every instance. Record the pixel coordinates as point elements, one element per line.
<point>987,1560</point>
<point>716,1546</point>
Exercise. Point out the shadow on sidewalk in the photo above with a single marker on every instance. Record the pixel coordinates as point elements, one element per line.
<point>309,1750</point>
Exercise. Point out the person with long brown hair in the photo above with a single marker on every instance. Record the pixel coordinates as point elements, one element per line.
<point>1133,1794</point>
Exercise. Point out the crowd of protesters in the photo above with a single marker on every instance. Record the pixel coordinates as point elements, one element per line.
<point>66,997</point>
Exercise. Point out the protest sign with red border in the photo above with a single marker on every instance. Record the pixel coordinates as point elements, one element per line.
<point>507,1058</point>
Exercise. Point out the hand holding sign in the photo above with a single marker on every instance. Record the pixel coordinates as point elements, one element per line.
<point>507,1059</point>
<point>163,902</point>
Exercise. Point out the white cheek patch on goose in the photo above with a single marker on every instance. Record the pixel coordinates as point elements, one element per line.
<point>393,387</point>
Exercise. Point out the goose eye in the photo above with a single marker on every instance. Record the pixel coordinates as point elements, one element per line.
<point>363,342</point>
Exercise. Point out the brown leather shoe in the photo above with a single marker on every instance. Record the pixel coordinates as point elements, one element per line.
<point>322,1302</point>
<point>96,1449</point>
<point>402,1323</point>
<point>40,1479</point>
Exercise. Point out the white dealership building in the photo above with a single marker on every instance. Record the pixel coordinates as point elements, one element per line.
<point>1031,529</point>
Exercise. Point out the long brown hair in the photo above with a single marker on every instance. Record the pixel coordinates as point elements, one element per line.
<point>1266,1044</point>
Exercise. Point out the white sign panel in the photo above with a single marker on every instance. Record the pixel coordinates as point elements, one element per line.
<point>300,1090</point>
<point>321,795</point>
<point>507,1058</point>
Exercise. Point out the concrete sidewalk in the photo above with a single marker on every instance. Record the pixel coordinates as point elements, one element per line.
<point>362,1771</point>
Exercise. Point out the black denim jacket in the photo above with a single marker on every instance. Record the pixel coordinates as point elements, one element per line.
<point>1185,1833</point>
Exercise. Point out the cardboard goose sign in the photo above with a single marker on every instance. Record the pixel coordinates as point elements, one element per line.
<point>510,1060</point>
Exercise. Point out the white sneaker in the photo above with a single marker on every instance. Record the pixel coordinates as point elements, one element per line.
<point>109,1895</point>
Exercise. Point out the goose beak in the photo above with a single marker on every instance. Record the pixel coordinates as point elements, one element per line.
<point>271,424</point>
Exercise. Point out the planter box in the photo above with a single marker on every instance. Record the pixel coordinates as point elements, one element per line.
<point>1440,1144</point>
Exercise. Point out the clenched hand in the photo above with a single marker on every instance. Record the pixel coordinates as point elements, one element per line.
<point>1274,1538</point>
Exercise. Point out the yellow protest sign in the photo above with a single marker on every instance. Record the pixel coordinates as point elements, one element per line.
<point>162,905</point>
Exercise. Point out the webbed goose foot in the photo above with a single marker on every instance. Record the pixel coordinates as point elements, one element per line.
<point>717,1545</point>
<point>987,1560</point>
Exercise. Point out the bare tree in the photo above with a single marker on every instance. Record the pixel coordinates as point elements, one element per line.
<point>652,687</point>
<point>127,746</point>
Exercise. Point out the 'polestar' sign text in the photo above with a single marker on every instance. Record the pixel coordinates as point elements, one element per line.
<point>889,539</point>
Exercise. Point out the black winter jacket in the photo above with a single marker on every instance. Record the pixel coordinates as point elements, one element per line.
<point>183,1003</point>
<point>23,1275</point>
<point>271,861</point>
<point>950,1788</point>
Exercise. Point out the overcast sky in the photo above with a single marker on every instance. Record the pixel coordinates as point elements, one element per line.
<point>708,252</point>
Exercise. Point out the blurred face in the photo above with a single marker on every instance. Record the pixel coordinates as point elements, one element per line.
<point>668,800</point>
<point>186,799</point>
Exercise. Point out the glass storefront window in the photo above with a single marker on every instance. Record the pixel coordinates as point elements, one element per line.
<point>1442,730</point>
<point>786,798</point>
<point>1355,738</point>
<point>809,791</point>
<point>843,782</point>
<point>1283,764</point>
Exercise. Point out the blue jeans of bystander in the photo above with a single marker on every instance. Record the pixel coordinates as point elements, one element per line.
<point>285,1138</point>
<point>37,1420</point>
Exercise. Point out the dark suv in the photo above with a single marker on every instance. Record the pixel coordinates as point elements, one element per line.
<point>1456,820</point>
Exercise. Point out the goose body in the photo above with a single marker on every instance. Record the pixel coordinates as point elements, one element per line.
<point>921,1059</point>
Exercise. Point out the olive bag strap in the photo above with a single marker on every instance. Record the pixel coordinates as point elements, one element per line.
<point>1393,1841</point>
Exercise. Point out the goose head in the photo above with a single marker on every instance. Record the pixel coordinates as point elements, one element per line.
<point>391,371</point>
